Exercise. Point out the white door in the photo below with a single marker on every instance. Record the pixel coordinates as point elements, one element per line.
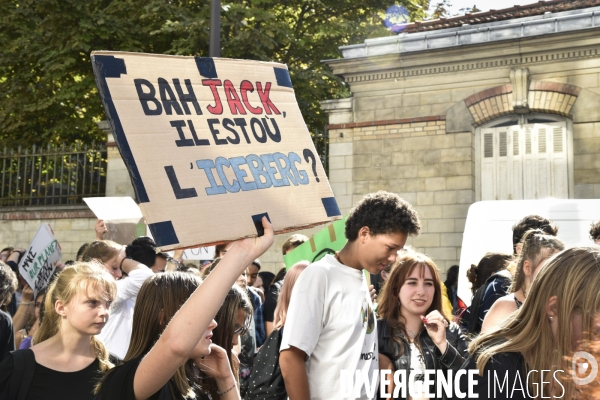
<point>528,162</point>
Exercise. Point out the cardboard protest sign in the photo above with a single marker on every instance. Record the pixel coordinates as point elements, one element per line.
<point>212,145</point>
<point>39,262</point>
<point>121,215</point>
<point>326,241</point>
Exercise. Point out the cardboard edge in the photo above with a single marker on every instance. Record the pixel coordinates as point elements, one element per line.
<point>117,129</point>
<point>277,232</point>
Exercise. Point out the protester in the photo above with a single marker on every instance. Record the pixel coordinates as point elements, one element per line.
<point>117,332</point>
<point>595,232</point>
<point>24,336</point>
<point>531,222</point>
<point>233,320</point>
<point>534,344</point>
<point>451,284</point>
<point>490,280</point>
<point>13,260</point>
<point>25,315</point>
<point>67,356</point>
<point>267,278</point>
<point>8,285</point>
<point>252,272</point>
<point>144,251</point>
<point>413,332</point>
<point>292,242</point>
<point>5,253</point>
<point>266,380</point>
<point>537,248</point>
<point>173,324</point>
<point>274,289</point>
<point>330,320</point>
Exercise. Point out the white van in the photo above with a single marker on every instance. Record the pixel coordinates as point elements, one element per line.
<point>489,228</point>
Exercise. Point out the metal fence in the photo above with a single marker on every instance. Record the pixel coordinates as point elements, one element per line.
<point>52,175</point>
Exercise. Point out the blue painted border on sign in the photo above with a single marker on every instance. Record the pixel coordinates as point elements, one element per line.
<point>331,206</point>
<point>206,67</point>
<point>112,67</point>
<point>163,233</point>
<point>283,77</point>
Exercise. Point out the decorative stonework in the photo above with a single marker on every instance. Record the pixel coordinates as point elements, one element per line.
<point>470,66</point>
<point>545,97</point>
<point>519,78</point>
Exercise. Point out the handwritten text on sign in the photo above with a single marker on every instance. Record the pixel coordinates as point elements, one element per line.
<point>39,262</point>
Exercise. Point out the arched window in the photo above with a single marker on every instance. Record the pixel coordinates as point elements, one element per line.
<point>524,157</point>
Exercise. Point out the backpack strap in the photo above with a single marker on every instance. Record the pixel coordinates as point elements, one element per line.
<point>22,376</point>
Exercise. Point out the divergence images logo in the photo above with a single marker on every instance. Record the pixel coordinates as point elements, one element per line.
<point>578,368</point>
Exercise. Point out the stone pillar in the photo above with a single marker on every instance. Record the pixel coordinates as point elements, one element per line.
<point>118,182</point>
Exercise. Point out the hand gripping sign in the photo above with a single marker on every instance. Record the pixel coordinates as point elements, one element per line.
<point>212,145</point>
<point>39,262</point>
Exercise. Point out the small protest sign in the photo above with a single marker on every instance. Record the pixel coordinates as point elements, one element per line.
<point>327,241</point>
<point>39,262</point>
<point>212,145</point>
<point>121,216</point>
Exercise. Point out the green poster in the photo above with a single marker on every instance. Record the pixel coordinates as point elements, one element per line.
<point>327,241</point>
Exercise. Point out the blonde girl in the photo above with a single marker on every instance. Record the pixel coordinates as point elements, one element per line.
<point>67,357</point>
<point>557,320</point>
<point>537,248</point>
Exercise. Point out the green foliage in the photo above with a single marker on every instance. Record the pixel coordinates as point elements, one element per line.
<point>47,88</point>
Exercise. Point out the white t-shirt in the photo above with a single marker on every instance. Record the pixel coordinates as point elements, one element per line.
<point>331,319</point>
<point>116,334</point>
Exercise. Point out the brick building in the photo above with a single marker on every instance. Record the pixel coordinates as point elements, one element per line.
<point>490,106</point>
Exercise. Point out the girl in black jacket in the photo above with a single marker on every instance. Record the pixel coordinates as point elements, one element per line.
<point>413,334</point>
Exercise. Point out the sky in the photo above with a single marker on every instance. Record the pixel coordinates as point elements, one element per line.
<point>485,5</point>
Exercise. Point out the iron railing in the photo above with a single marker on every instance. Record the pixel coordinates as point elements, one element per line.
<point>52,175</point>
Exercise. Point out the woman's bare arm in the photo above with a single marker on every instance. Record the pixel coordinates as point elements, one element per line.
<point>185,330</point>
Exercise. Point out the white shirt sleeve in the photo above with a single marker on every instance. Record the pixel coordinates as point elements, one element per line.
<point>304,320</point>
<point>130,286</point>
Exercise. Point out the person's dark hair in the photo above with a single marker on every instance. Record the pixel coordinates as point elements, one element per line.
<point>594,231</point>
<point>8,283</point>
<point>142,250</point>
<point>219,249</point>
<point>488,265</point>
<point>382,213</point>
<point>81,250</point>
<point>256,263</point>
<point>9,249</point>
<point>280,275</point>
<point>267,278</point>
<point>227,326</point>
<point>209,268</point>
<point>452,276</point>
<point>532,222</point>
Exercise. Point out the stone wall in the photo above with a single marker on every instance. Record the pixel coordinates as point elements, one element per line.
<point>415,158</point>
<point>72,226</point>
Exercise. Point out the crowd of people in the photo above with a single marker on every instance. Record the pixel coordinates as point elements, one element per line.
<point>129,322</point>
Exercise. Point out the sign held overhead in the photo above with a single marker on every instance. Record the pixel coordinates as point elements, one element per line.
<point>212,145</point>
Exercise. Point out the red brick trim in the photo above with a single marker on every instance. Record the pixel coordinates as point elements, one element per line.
<point>387,122</point>
<point>558,87</point>
<point>45,214</point>
<point>111,144</point>
<point>488,93</point>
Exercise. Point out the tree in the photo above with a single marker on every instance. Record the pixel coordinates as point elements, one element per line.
<point>47,88</point>
<point>441,10</point>
<point>468,10</point>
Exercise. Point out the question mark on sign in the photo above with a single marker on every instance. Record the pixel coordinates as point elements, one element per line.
<point>309,155</point>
